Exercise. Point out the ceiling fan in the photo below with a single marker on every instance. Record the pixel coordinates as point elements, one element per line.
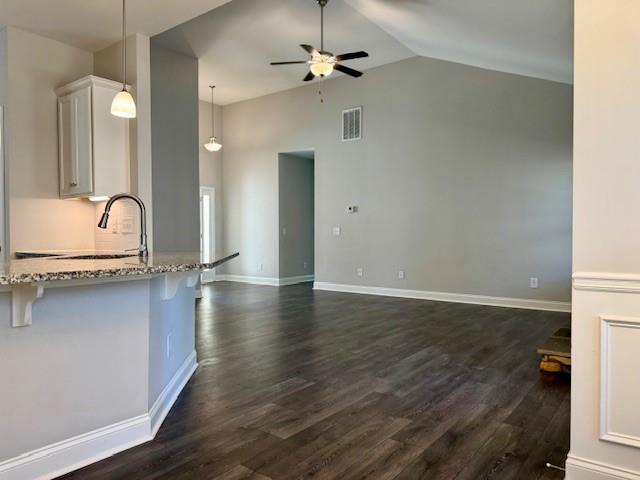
<point>321,62</point>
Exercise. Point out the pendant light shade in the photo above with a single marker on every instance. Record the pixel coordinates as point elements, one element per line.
<point>123,104</point>
<point>213,145</point>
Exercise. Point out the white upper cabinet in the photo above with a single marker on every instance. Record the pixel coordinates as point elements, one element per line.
<point>93,144</point>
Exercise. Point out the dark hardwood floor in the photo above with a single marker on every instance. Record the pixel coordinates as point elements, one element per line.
<point>295,384</point>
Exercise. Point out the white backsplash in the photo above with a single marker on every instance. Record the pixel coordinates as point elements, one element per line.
<point>123,231</point>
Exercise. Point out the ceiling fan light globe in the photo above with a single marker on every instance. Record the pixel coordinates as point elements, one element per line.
<point>213,145</point>
<point>123,105</point>
<point>321,69</point>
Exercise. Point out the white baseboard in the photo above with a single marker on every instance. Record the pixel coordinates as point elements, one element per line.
<point>294,280</point>
<point>161,407</point>
<point>447,297</point>
<point>271,281</point>
<point>73,453</point>
<point>228,277</point>
<point>579,468</point>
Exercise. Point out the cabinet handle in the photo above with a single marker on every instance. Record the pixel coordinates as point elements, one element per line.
<point>73,184</point>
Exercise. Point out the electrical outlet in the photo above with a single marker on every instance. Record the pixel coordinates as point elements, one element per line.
<point>401,275</point>
<point>533,282</point>
<point>360,272</point>
<point>169,346</point>
<point>336,231</point>
<point>126,224</point>
<point>260,267</point>
<point>284,231</point>
<point>305,265</point>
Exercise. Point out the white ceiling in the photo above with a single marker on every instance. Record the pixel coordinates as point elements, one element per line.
<point>96,24</point>
<point>527,37</point>
<point>236,42</point>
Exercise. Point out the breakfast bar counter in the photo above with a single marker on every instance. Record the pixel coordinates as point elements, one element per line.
<point>53,266</point>
<point>93,353</point>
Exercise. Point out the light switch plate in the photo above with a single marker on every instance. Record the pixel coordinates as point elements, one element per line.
<point>126,225</point>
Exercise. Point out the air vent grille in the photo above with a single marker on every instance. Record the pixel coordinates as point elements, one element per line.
<point>352,124</point>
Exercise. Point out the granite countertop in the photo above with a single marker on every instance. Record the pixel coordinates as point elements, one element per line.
<point>62,267</point>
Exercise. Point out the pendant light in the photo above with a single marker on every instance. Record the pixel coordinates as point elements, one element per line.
<point>123,104</point>
<point>212,145</point>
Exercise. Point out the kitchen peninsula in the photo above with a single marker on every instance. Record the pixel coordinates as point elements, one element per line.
<point>93,353</point>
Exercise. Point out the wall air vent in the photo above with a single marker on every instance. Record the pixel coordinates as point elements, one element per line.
<point>352,124</point>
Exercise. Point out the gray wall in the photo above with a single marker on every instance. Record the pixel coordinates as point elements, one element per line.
<point>83,364</point>
<point>174,141</point>
<point>295,204</point>
<point>463,179</point>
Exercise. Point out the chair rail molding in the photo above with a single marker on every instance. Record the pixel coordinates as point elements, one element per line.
<point>607,282</point>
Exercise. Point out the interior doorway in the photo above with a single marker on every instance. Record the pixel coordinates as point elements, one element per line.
<point>296,217</point>
<point>207,230</point>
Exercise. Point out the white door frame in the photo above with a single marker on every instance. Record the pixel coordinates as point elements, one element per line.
<point>208,275</point>
<point>4,240</point>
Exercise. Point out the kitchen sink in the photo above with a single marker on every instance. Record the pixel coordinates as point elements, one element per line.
<point>105,256</point>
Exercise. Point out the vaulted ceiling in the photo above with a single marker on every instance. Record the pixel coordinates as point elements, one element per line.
<point>236,42</point>
<point>95,24</point>
<point>236,39</point>
<point>527,37</point>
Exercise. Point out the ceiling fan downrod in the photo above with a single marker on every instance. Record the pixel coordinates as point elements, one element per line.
<point>322,3</point>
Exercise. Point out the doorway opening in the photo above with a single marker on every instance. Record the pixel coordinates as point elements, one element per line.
<point>296,213</point>
<point>207,230</point>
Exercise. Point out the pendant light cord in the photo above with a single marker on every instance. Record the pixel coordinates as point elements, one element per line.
<point>213,117</point>
<point>124,45</point>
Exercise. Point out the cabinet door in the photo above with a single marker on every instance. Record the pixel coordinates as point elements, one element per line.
<point>110,146</point>
<point>76,149</point>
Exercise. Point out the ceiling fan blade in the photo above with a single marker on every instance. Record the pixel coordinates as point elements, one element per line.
<point>347,70</point>
<point>310,76</point>
<point>352,55</point>
<point>288,63</point>
<point>310,50</point>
